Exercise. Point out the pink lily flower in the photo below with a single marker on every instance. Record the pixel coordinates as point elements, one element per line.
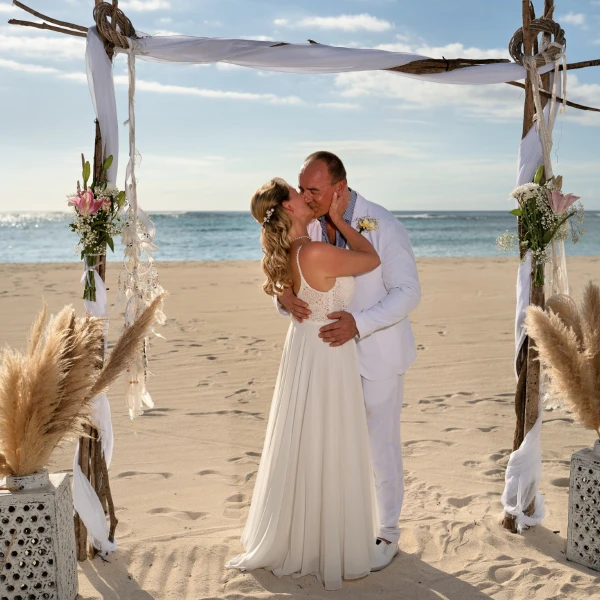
<point>559,202</point>
<point>106,203</point>
<point>85,203</point>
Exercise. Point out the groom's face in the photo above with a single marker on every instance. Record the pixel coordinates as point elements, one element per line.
<point>314,183</point>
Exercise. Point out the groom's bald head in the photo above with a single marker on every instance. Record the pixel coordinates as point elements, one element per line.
<point>335,166</point>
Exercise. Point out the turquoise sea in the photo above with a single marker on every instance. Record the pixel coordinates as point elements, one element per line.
<point>45,237</point>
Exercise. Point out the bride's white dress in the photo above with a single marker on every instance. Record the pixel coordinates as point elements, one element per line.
<point>313,507</point>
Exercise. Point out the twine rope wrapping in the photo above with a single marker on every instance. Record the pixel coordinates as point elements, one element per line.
<point>550,52</point>
<point>113,25</point>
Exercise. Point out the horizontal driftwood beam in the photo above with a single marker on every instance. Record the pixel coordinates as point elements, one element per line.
<point>35,13</point>
<point>46,26</point>
<point>558,99</point>
<point>582,65</point>
<point>441,65</point>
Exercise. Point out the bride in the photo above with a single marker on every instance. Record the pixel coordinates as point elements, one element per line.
<point>313,506</point>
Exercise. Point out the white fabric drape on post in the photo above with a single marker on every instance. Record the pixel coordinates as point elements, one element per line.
<point>524,469</point>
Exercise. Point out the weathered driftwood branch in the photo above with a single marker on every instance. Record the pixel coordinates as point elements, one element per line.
<point>546,94</point>
<point>441,65</point>
<point>46,26</point>
<point>35,13</point>
<point>523,365</point>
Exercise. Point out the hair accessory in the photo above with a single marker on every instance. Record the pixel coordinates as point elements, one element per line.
<point>268,216</point>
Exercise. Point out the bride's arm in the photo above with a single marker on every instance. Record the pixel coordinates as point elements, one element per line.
<point>338,262</point>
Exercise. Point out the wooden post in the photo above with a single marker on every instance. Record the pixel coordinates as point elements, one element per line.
<point>527,379</point>
<point>91,456</point>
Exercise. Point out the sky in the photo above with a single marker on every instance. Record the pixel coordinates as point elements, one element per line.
<point>208,136</point>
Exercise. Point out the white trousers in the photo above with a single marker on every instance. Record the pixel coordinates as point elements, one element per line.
<point>383,401</point>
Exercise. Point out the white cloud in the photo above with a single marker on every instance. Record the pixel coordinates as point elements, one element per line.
<point>167,32</point>
<point>55,48</point>
<point>187,163</point>
<point>453,50</point>
<point>12,65</point>
<point>339,105</point>
<point>144,5</point>
<point>497,102</point>
<point>165,20</point>
<point>572,18</point>
<point>362,22</point>
<point>368,148</point>
<point>156,87</point>
<point>222,66</point>
<point>8,9</point>
<point>258,38</point>
<point>490,102</point>
<point>160,88</point>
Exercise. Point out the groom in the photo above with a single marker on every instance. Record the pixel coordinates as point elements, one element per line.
<point>377,320</point>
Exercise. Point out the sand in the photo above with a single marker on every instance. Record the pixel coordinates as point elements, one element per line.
<point>182,475</point>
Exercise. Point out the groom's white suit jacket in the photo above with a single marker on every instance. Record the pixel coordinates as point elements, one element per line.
<point>384,297</point>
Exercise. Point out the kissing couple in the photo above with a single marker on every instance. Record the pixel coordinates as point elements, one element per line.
<point>330,486</point>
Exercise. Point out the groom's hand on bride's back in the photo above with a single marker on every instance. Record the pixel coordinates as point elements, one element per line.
<point>340,332</point>
<point>293,305</point>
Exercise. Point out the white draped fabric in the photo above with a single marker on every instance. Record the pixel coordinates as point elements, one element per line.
<point>313,59</point>
<point>524,469</point>
<point>85,499</point>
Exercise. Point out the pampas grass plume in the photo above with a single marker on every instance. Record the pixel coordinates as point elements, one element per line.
<point>46,393</point>
<point>568,342</point>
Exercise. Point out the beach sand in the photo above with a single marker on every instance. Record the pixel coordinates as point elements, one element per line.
<point>182,474</point>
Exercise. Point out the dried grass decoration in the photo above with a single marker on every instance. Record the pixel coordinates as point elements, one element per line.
<point>569,347</point>
<point>46,393</point>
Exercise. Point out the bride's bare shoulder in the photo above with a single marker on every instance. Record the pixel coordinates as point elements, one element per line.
<point>317,250</point>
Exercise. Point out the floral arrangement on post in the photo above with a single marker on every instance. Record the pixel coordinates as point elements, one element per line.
<point>568,341</point>
<point>98,210</point>
<point>545,214</point>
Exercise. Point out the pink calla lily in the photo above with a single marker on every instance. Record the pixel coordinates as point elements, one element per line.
<point>559,202</point>
<point>85,203</point>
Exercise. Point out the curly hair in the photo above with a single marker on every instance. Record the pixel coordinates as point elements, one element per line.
<point>275,237</point>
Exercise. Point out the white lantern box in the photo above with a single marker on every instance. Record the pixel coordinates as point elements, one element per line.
<point>583,536</point>
<point>37,539</point>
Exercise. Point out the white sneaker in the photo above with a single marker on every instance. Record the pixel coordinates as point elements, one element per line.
<point>384,553</point>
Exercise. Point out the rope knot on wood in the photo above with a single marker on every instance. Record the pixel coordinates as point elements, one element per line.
<point>549,52</point>
<point>113,25</point>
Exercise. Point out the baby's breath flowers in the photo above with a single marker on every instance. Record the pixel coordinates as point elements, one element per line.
<point>546,215</point>
<point>97,220</point>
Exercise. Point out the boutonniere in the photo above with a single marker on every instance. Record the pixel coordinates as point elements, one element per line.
<point>366,224</point>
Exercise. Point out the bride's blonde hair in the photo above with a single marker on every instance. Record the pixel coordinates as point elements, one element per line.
<point>267,208</point>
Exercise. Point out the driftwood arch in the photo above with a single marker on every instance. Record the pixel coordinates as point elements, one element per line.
<point>115,28</point>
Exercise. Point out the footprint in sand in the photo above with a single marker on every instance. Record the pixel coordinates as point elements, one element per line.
<point>249,457</point>
<point>420,447</point>
<point>152,476</point>
<point>234,505</point>
<point>222,477</point>
<point>488,429</point>
<point>562,482</point>
<point>157,412</point>
<point>182,515</point>
<point>421,347</point>
<point>501,457</point>
<point>494,473</point>
<point>226,478</point>
<point>241,413</point>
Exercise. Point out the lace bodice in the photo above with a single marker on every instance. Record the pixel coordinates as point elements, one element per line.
<point>322,304</point>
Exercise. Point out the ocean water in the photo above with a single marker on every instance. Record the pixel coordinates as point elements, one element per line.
<point>46,237</point>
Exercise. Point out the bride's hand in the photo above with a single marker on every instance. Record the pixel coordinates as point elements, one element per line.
<point>338,205</point>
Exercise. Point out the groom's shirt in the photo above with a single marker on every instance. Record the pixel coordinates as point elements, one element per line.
<point>340,241</point>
